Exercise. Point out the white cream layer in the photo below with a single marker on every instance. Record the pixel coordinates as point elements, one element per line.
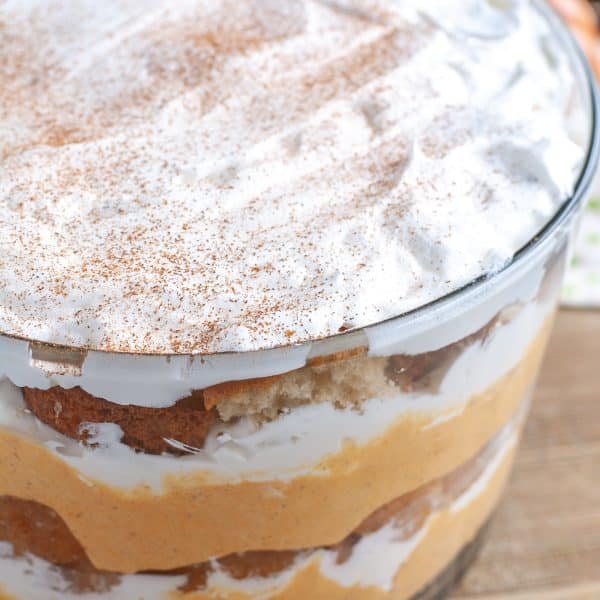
<point>296,442</point>
<point>374,562</point>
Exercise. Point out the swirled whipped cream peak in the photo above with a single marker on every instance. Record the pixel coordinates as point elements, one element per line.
<point>232,175</point>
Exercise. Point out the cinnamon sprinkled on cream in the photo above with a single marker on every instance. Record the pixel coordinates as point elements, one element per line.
<point>219,176</point>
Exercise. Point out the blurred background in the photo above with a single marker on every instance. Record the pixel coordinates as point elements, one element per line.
<point>582,287</point>
<point>544,543</point>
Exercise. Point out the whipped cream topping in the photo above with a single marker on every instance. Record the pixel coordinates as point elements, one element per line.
<point>237,175</point>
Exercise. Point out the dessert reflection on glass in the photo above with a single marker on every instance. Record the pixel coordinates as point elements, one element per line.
<point>275,282</point>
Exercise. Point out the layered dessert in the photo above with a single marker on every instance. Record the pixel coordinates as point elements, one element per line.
<point>275,282</point>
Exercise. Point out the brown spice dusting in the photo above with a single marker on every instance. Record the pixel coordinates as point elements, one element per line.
<point>100,156</point>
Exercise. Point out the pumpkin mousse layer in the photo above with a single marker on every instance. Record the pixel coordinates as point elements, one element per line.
<point>30,529</point>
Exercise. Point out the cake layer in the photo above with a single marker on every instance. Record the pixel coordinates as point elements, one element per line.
<point>76,413</point>
<point>345,380</point>
<point>242,430</point>
<point>374,559</point>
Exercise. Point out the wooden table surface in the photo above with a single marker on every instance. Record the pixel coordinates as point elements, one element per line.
<point>544,542</point>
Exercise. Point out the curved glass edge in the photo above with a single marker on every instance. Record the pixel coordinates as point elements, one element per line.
<point>71,358</point>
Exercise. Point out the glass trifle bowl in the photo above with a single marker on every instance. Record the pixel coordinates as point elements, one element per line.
<point>363,462</point>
